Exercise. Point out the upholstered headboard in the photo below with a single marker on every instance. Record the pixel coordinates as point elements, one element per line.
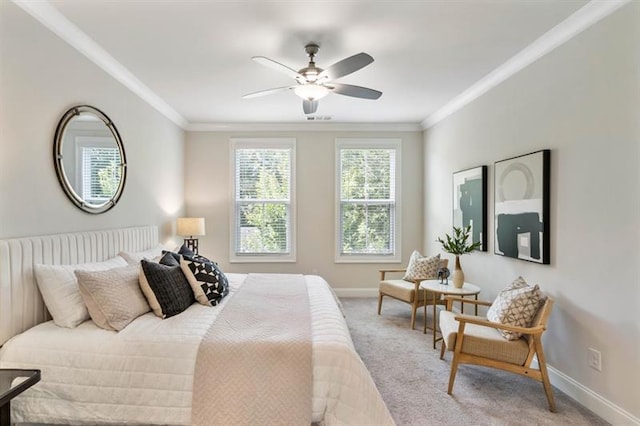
<point>21,306</point>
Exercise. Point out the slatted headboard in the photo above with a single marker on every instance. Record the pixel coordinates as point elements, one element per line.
<point>21,306</point>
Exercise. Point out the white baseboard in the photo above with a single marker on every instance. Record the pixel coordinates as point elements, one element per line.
<point>590,399</point>
<point>356,292</point>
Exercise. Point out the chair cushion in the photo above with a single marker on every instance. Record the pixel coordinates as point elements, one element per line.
<point>421,267</point>
<point>515,305</point>
<point>401,289</point>
<point>483,341</point>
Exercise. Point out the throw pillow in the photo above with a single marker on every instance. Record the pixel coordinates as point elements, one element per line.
<point>134,258</point>
<point>113,297</point>
<point>208,282</point>
<point>186,251</point>
<point>169,259</point>
<point>166,288</point>
<point>421,267</point>
<point>515,305</point>
<point>60,292</point>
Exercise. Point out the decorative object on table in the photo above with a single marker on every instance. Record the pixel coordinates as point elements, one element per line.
<point>443,276</point>
<point>458,245</point>
<point>470,203</point>
<point>190,227</point>
<point>522,207</point>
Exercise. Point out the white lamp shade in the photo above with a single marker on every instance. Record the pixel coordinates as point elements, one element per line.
<point>190,226</point>
<point>311,91</point>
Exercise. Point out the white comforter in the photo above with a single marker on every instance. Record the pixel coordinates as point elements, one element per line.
<point>144,374</point>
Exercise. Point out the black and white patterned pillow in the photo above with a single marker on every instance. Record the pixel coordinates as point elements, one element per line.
<point>166,288</point>
<point>208,282</point>
<point>186,251</point>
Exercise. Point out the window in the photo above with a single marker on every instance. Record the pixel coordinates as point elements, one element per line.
<point>264,208</point>
<point>368,211</point>
<point>99,169</point>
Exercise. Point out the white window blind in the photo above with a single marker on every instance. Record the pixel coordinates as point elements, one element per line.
<point>263,201</point>
<point>367,202</point>
<point>100,173</point>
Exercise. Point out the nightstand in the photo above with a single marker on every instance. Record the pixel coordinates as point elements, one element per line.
<point>13,383</point>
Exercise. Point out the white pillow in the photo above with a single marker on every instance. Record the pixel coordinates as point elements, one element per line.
<point>59,288</point>
<point>135,257</point>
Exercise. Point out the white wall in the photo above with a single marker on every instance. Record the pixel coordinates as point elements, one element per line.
<point>581,101</point>
<point>208,194</point>
<point>41,78</point>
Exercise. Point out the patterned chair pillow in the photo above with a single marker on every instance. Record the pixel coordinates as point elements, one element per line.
<point>515,305</point>
<point>208,282</point>
<point>421,267</point>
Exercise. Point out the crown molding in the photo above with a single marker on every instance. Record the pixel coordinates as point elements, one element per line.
<point>304,127</point>
<point>50,17</point>
<point>579,21</point>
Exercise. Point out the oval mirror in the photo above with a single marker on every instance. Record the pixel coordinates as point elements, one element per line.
<point>89,159</point>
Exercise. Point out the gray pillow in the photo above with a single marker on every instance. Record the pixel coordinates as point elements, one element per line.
<point>113,297</point>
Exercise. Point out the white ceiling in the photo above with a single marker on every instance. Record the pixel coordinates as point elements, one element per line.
<point>196,55</point>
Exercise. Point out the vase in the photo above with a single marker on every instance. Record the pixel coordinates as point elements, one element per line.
<point>457,276</point>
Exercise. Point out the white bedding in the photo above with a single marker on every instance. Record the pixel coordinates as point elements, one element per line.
<point>144,374</point>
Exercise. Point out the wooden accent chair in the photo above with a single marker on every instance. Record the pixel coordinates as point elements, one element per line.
<point>406,291</point>
<point>476,340</point>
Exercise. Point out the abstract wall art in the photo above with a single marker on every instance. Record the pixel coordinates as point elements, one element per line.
<point>470,202</point>
<point>522,186</point>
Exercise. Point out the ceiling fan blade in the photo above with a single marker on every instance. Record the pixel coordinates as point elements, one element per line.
<point>309,107</point>
<point>267,92</point>
<point>354,91</point>
<point>270,63</point>
<point>345,66</point>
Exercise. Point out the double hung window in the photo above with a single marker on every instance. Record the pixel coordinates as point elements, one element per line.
<point>367,205</point>
<point>263,228</point>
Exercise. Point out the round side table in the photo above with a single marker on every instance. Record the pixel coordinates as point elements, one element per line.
<point>438,289</point>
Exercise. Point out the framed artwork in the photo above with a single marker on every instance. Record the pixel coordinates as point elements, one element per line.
<point>470,202</point>
<point>522,207</point>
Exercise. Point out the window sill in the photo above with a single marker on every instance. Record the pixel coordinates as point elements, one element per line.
<point>262,259</point>
<point>367,259</point>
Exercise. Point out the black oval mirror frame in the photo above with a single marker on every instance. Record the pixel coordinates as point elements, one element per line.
<point>106,164</point>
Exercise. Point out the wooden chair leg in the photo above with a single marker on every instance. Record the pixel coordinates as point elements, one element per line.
<point>442,349</point>
<point>414,309</point>
<point>380,302</point>
<point>542,364</point>
<point>452,375</point>
<point>413,318</point>
<point>456,353</point>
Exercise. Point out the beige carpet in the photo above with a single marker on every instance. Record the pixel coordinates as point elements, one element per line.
<point>413,380</point>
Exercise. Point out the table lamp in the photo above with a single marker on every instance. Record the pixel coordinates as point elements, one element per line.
<point>190,227</point>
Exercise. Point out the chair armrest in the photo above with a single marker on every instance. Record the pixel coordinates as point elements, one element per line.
<point>383,272</point>
<point>451,299</point>
<point>470,319</point>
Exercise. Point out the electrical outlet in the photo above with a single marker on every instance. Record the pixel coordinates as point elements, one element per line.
<point>595,359</point>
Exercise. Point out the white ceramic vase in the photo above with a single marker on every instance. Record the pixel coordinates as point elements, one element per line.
<point>457,276</point>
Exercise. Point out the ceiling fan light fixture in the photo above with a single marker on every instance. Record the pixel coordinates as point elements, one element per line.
<point>311,91</point>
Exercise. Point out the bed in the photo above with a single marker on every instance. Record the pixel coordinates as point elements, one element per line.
<point>144,374</point>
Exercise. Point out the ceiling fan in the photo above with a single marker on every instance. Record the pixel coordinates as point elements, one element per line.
<point>314,83</point>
